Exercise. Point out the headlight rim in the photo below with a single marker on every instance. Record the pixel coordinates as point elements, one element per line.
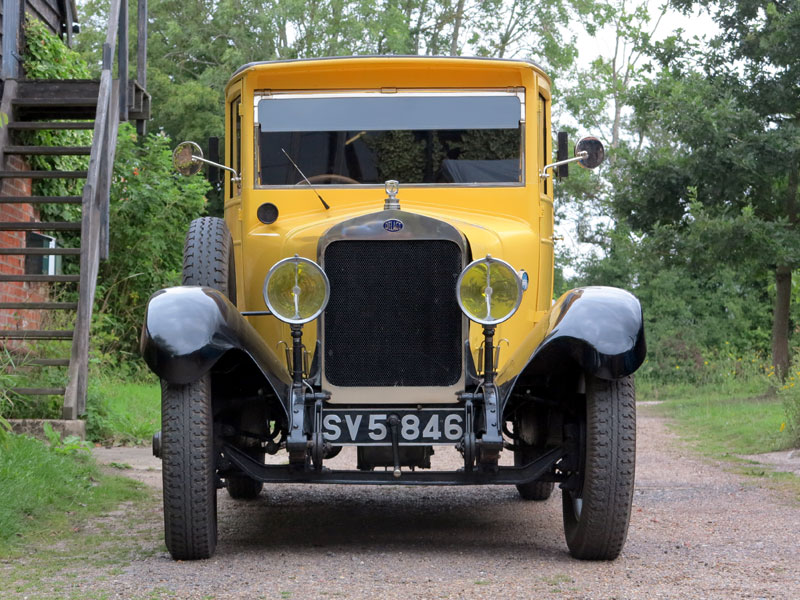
<point>296,259</point>
<point>489,259</point>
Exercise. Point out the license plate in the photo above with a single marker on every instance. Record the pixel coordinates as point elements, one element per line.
<point>370,428</point>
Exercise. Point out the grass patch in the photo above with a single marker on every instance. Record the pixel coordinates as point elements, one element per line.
<point>48,493</point>
<point>648,389</point>
<point>728,420</point>
<point>742,417</point>
<point>123,412</point>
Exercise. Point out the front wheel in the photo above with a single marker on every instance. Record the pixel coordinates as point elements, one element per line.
<point>596,515</point>
<point>188,470</point>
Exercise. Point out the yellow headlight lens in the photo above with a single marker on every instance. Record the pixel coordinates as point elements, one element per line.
<point>489,291</point>
<point>296,290</point>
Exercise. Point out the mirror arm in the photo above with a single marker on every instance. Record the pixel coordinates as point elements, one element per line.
<point>235,177</point>
<point>544,174</point>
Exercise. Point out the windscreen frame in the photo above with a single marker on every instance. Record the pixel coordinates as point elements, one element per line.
<point>518,92</point>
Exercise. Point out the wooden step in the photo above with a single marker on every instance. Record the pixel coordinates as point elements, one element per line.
<point>50,150</point>
<point>32,110</point>
<point>38,391</point>
<point>41,251</point>
<point>47,362</point>
<point>40,199</point>
<point>54,101</point>
<point>39,305</point>
<point>58,88</point>
<point>35,334</point>
<point>39,226</point>
<point>43,174</point>
<point>41,278</point>
<point>50,125</point>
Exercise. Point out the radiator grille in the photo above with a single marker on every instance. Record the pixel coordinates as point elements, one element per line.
<point>392,319</point>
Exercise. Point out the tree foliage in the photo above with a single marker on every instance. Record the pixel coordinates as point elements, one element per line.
<point>196,45</point>
<point>696,210</point>
<point>723,126</point>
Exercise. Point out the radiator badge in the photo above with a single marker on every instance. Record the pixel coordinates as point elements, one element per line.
<point>393,225</point>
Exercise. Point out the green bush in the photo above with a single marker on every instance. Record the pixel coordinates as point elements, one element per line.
<point>697,310</point>
<point>47,57</point>
<point>15,373</point>
<point>151,208</point>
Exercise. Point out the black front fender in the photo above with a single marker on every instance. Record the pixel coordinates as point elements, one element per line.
<point>188,329</point>
<point>600,329</point>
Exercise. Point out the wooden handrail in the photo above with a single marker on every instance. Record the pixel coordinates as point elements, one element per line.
<point>95,207</point>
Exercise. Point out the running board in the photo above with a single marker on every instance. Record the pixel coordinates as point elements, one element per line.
<point>288,474</point>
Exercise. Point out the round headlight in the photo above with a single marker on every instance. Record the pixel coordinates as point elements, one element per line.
<point>489,291</point>
<point>296,290</point>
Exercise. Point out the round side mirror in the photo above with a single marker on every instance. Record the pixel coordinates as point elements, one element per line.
<point>594,152</point>
<point>183,158</point>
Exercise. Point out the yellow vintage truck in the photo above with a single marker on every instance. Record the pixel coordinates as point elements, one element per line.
<point>383,280</point>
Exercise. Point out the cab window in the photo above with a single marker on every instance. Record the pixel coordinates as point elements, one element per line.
<point>370,138</point>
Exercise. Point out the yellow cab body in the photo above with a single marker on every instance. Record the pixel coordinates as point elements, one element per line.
<point>512,221</point>
<point>309,148</point>
<point>382,283</point>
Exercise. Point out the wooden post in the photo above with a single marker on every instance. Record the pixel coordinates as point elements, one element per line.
<point>9,93</point>
<point>141,58</point>
<point>141,45</point>
<point>123,61</point>
<point>69,17</point>
<point>12,13</point>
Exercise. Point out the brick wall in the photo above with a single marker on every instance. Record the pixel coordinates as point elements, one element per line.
<point>14,264</point>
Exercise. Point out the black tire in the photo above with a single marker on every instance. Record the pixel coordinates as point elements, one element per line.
<point>596,518</point>
<point>188,470</point>
<point>208,256</point>
<point>208,261</point>
<point>242,487</point>
<point>534,490</point>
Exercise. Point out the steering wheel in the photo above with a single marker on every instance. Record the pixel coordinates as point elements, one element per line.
<point>331,177</point>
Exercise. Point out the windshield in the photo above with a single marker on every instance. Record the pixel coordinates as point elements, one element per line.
<point>371,138</point>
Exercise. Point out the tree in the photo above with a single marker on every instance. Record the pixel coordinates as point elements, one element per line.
<point>729,123</point>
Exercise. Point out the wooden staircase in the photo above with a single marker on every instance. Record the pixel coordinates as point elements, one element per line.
<point>47,105</point>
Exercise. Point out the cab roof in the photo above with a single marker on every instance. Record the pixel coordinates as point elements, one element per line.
<point>307,67</point>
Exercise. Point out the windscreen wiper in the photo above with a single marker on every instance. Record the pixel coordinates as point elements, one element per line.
<point>294,164</point>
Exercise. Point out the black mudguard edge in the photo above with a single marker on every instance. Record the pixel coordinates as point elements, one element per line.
<point>599,328</point>
<point>187,329</point>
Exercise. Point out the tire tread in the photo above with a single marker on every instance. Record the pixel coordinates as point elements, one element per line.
<point>207,254</point>
<point>190,513</point>
<point>601,531</point>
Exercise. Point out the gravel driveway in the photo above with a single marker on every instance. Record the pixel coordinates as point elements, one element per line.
<point>697,532</point>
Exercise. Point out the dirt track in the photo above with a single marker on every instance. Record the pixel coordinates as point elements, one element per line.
<point>696,532</point>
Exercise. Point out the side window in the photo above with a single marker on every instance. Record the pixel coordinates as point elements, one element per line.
<point>236,142</point>
<point>543,133</point>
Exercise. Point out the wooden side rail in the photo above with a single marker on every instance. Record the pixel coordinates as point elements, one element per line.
<point>94,222</point>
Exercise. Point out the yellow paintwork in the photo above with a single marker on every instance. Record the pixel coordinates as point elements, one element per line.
<point>513,223</point>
